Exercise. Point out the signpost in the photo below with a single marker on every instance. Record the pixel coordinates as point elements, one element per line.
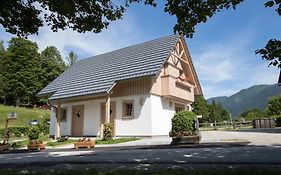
<point>10,116</point>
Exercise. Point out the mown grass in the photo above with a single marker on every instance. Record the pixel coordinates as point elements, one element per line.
<point>98,142</point>
<point>23,143</point>
<point>24,115</point>
<point>115,141</point>
<point>55,143</point>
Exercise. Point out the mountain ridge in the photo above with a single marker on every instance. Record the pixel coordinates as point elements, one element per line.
<point>253,97</point>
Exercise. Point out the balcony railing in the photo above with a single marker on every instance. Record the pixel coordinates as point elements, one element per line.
<point>175,88</point>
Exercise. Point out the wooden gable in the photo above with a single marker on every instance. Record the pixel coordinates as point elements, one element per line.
<point>180,58</point>
<point>177,79</point>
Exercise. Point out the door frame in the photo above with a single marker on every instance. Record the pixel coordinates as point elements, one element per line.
<point>72,114</point>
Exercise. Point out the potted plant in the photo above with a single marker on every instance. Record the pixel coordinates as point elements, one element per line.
<point>34,143</point>
<point>184,130</point>
<point>85,143</point>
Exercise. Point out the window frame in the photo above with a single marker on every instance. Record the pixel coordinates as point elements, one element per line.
<point>125,109</point>
<point>64,119</point>
<point>179,106</point>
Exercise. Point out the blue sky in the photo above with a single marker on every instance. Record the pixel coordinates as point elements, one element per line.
<point>222,49</point>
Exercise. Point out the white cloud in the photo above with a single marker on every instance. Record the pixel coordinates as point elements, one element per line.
<point>119,34</point>
<point>229,65</point>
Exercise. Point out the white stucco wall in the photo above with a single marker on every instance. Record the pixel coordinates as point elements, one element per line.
<point>140,124</point>
<point>91,118</point>
<point>152,117</point>
<point>161,115</point>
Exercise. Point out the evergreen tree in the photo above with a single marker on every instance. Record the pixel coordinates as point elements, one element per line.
<point>72,58</point>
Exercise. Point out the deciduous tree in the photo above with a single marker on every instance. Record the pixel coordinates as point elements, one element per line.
<point>20,67</point>
<point>52,65</point>
<point>274,105</point>
<point>201,107</point>
<point>27,16</point>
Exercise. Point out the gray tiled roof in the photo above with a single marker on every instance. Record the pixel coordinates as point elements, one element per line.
<point>99,73</point>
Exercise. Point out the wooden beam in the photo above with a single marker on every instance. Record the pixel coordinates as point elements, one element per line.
<point>180,58</point>
<point>58,114</point>
<point>6,132</point>
<point>107,109</point>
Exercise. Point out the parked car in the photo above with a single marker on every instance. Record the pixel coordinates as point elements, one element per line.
<point>33,122</point>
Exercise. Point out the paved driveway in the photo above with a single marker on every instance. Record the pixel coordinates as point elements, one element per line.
<point>257,137</point>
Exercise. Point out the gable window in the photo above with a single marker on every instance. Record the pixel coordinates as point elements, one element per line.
<point>63,114</point>
<point>128,109</point>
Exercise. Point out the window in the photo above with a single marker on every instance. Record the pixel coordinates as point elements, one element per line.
<point>128,109</point>
<point>63,114</point>
<point>179,107</point>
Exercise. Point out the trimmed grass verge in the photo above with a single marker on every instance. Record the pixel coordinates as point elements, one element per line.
<point>23,143</point>
<point>60,143</point>
<point>98,142</point>
<point>115,141</point>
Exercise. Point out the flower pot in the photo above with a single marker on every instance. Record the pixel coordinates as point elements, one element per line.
<point>35,145</point>
<point>4,147</point>
<point>84,143</point>
<point>193,139</point>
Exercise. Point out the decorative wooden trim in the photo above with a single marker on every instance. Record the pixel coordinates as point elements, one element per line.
<point>180,58</point>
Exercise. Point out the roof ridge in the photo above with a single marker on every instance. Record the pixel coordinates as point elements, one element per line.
<point>153,40</point>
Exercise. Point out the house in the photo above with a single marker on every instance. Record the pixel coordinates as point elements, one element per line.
<point>137,89</point>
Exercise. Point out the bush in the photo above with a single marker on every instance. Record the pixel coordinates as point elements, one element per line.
<point>43,128</point>
<point>278,120</point>
<point>183,124</point>
<point>16,131</point>
<point>33,133</point>
<point>108,131</point>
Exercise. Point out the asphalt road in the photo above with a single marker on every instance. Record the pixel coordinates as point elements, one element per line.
<point>230,155</point>
<point>264,150</point>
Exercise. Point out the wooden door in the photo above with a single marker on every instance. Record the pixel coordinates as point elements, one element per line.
<point>77,120</point>
<point>112,114</point>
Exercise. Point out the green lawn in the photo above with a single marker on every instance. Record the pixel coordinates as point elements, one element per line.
<point>23,143</point>
<point>24,115</point>
<point>115,141</point>
<point>60,143</point>
<point>98,142</point>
